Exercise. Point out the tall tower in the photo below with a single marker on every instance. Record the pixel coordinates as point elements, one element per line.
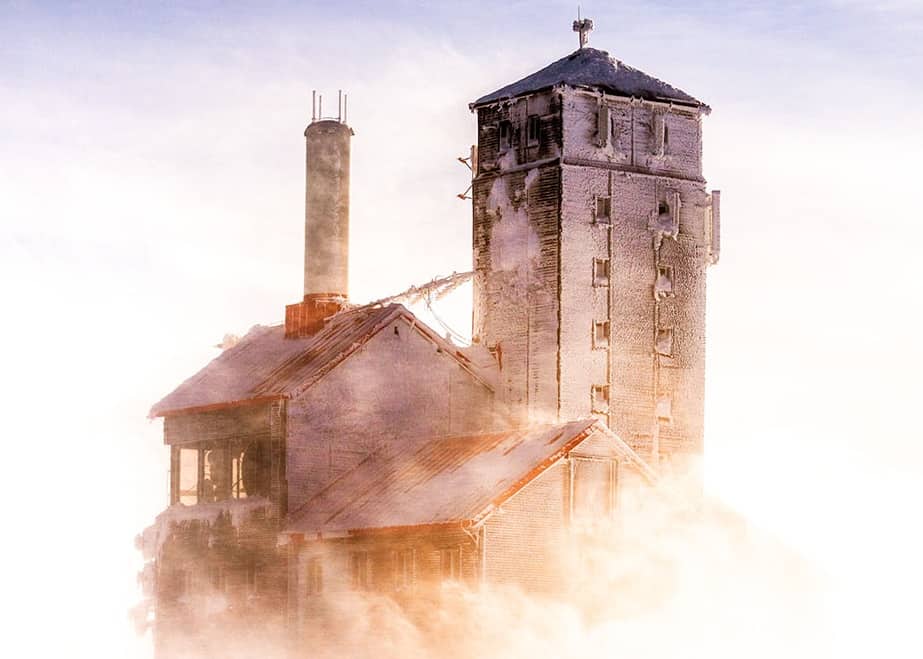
<point>592,233</point>
<point>326,221</point>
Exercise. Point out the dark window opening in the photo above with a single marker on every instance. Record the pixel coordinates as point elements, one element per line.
<point>534,130</point>
<point>600,272</point>
<point>603,209</point>
<point>663,209</point>
<point>601,334</point>
<point>505,139</point>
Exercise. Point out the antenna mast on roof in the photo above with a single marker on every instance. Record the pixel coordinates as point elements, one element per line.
<point>583,26</point>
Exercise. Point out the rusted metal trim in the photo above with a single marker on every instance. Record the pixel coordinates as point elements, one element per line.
<point>243,402</point>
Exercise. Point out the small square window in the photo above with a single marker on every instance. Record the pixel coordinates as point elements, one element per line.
<point>601,334</point>
<point>505,138</point>
<point>534,130</point>
<point>600,272</point>
<point>600,394</point>
<point>603,209</point>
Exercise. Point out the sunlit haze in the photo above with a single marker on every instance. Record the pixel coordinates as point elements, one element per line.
<point>151,201</point>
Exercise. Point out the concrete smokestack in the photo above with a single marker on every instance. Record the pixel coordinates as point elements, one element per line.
<point>326,212</point>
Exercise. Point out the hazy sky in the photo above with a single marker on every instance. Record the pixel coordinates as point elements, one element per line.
<point>151,199</point>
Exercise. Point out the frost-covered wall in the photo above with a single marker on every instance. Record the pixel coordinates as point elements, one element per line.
<point>590,253</point>
<point>516,227</point>
<point>399,385</point>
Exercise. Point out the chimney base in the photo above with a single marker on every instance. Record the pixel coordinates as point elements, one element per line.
<point>306,318</point>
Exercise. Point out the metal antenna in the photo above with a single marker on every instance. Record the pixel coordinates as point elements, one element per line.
<point>345,102</point>
<point>583,26</point>
<point>340,106</point>
<point>320,106</point>
<point>313,105</point>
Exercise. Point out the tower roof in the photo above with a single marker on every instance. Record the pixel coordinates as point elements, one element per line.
<point>589,67</point>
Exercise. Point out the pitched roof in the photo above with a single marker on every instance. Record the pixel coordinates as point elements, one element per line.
<point>265,365</point>
<point>442,481</point>
<point>589,67</point>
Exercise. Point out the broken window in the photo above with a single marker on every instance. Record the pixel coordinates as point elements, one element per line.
<point>664,342</point>
<point>314,577</point>
<point>188,476</point>
<point>601,334</point>
<point>600,398</point>
<point>600,272</point>
<point>403,569</point>
<point>603,209</point>
<point>450,563</point>
<point>505,137</point>
<point>594,485</point>
<point>534,130</point>
<point>359,567</point>
<point>663,287</point>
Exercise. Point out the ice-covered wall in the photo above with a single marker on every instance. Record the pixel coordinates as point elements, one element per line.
<point>516,200</point>
<point>397,386</point>
<point>590,262</point>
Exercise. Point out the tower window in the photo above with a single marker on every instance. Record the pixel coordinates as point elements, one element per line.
<point>663,210</point>
<point>664,409</point>
<point>505,131</point>
<point>601,334</point>
<point>534,130</point>
<point>602,126</point>
<point>603,209</point>
<point>664,342</point>
<point>600,398</point>
<point>663,287</point>
<point>600,272</point>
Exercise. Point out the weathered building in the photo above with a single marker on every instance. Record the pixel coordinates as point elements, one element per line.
<point>353,449</point>
<point>592,233</point>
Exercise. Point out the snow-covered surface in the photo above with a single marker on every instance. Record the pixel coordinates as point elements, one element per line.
<point>264,364</point>
<point>443,480</point>
<point>154,536</point>
<point>589,67</point>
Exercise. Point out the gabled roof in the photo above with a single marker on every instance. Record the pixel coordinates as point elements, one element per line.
<point>589,67</point>
<point>265,365</point>
<point>442,481</point>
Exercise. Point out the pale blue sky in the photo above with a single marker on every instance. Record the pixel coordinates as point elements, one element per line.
<point>151,173</point>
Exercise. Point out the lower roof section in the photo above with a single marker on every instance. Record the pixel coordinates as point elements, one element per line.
<point>442,481</point>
